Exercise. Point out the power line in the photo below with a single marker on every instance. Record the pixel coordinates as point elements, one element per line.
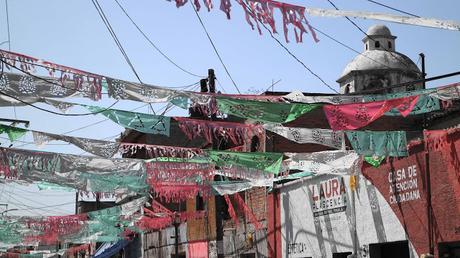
<point>43,208</point>
<point>57,113</point>
<point>348,47</point>
<point>392,8</point>
<point>8,24</point>
<point>286,49</point>
<point>153,44</point>
<point>214,47</point>
<point>31,200</point>
<point>114,36</point>
<point>61,85</point>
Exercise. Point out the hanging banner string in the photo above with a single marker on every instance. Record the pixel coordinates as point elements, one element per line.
<point>418,21</point>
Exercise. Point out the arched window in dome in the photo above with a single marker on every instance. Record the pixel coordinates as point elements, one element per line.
<point>347,88</point>
<point>389,45</point>
<point>377,44</point>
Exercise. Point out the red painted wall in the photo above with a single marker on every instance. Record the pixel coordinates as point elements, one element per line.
<point>274,225</point>
<point>444,169</point>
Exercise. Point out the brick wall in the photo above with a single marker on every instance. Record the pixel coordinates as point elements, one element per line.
<point>256,200</point>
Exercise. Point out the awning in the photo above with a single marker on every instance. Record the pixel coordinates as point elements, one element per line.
<point>108,249</point>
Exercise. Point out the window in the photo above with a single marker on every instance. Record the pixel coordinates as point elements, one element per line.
<point>389,45</point>
<point>199,203</point>
<point>377,44</point>
<point>347,89</point>
<point>366,47</point>
<point>255,144</point>
<point>398,249</point>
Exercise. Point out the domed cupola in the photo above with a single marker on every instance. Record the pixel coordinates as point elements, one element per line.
<point>379,66</point>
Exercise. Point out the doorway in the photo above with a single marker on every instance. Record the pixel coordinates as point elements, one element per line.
<point>449,249</point>
<point>398,249</point>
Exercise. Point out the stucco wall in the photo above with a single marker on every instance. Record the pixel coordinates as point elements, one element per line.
<point>307,230</point>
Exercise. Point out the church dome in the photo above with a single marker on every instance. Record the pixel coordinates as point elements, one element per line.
<point>379,30</point>
<point>380,59</point>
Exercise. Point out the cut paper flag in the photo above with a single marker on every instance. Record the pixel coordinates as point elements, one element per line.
<point>266,161</point>
<point>448,92</point>
<point>297,96</point>
<point>119,89</point>
<point>324,137</point>
<point>85,173</point>
<point>179,192</point>
<point>418,21</point>
<point>69,81</point>
<point>262,11</point>
<point>237,133</point>
<point>104,225</point>
<point>232,187</point>
<point>298,175</point>
<point>255,176</point>
<point>231,211</point>
<point>146,123</point>
<point>42,186</point>
<point>425,102</point>
<point>264,111</point>
<point>97,147</point>
<point>324,162</point>
<point>156,151</point>
<point>354,116</point>
<point>158,172</point>
<point>247,211</point>
<point>375,161</point>
<point>198,249</point>
<point>373,143</point>
<point>13,133</point>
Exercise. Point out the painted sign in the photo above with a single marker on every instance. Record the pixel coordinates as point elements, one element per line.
<point>329,196</point>
<point>403,184</point>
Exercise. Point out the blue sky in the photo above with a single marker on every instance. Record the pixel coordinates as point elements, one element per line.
<point>71,33</point>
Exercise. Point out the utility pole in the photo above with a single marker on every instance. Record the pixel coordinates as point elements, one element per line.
<point>422,57</point>
<point>176,224</point>
<point>429,208</point>
<point>212,81</point>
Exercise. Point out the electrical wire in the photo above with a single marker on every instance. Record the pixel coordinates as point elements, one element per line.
<point>53,144</point>
<point>114,36</point>
<point>153,44</point>
<point>57,113</point>
<point>42,194</point>
<point>43,208</point>
<point>287,50</point>
<point>61,85</point>
<point>371,38</point>
<point>394,9</point>
<point>347,46</point>
<point>214,47</point>
<point>8,25</point>
<point>31,200</point>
